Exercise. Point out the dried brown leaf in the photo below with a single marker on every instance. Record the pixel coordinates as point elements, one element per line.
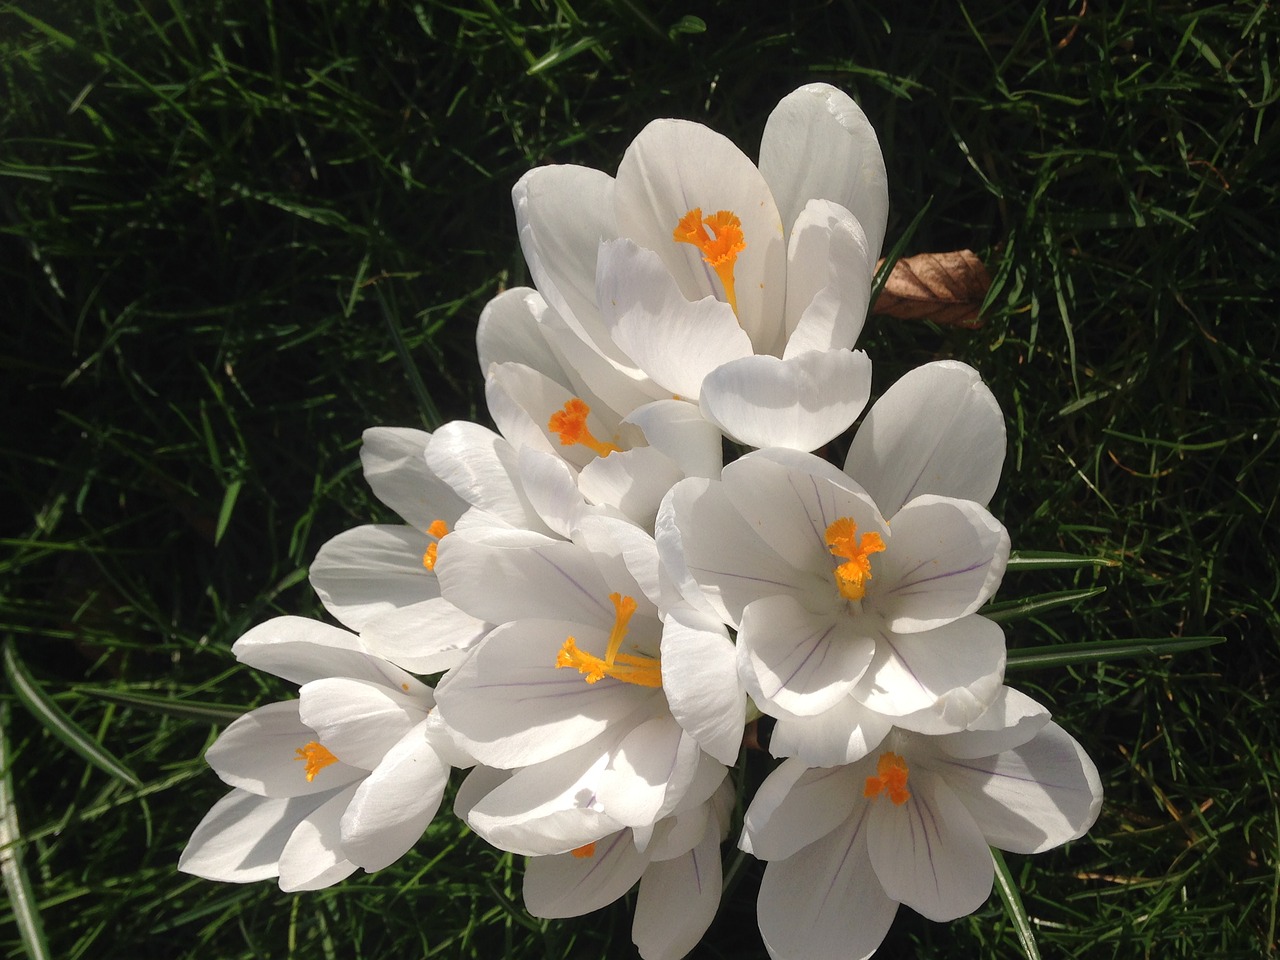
<point>943,287</point>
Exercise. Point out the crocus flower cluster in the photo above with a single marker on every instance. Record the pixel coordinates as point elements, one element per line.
<point>603,603</point>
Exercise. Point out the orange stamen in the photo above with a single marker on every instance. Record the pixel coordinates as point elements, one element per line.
<point>852,576</point>
<point>317,758</point>
<point>570,424</point>
<point>890,778</point>
<point>584,851</point>
<point>437,529</point>
<point>641,671</point>
<point>720,243</point>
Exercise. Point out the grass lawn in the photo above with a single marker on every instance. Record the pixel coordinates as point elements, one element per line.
<point>233,234</point>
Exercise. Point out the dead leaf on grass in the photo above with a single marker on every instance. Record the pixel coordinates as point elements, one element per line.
<point>943,287</point>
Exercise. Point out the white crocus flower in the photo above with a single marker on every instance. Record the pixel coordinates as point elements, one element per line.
<point>556,400</point>
<point>911,824</point>
<point>737,287</point>
<point>853,616</point>
<point>348,775</point>
<point>573,674</point>
<point>379,579</point>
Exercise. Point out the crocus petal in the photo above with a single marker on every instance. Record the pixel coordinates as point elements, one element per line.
<point>634,481</point>
<point>563,212</point>
<point>946,559</point>
<point>700,679</point>
<point>1012,719</point>
<point>674,166</point>
<point>313,858</point>
<point>300,650</point>
<point>1033,797</point>
<point>845,733</point>
<point>829,271</point>
<point>678,429</point>
<point>481,467</point>
<point>798,805</point>
<point>675,341</point>
<point>509,332</point>
<point>359,721</point>
<point>426,637</point>
<point>928,852</point>
<point>801,402</point>
<point>818,143</point>
<point>654,757</point>
<point>240,839</point>
<point>371,570</point>
<point>801,662</point>
<point>259,753</point>
<point>937,430</point>
<point>552,488</point>
<point>394,804</point>
<point>521,401</point>
<point>569,886</point>
<point>936,681</point>
<point>677,901</point>
<point>511,705</point>
<point>399,477</point>
<point>825,903</point>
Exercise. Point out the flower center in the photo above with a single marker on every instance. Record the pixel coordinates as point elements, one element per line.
<point>585,851</point>
<point>641,671</point>
<point>317,758</point>
<point>570,424</point>
<point>852,575</point>
<point>437,529</point>
<point>890,778</point>
<point>720,239</point>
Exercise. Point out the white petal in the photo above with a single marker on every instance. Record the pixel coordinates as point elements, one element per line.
<point>626,555</point>
<point>937,430</point>
<point>563,212</point>
<point>675,341</point>
<point>240,839</point>
<point>652,758</point>
<point>936,681</point>
<point>400,478</point>
<point>521,401</point>
<point>845,733</point>
<point>829,272</point>
<point>394,804</point>
<point>801,662</point>
<point>678,429</point>
<point>569,886</point>
<point>426,637</point>
<point>677,901</point>
<point>258,753</point>
<point>928,853</point>
<point>1033,797</point>
<point>825,903</point>
<point>358,721</point>
<point>372,570</point>
<point>634,481</point>
<point>801,402</point>
<point>818,143</point>
<point>1012,719</point>
<point>700,679</point>
<point>674,166</point>
<point>730,564</point>
<point>945,560</point>
<point>482,468</point>
<point>552,488</point>
<point>510,705</point>
<point>313,858</point>
<point>799,805</point>
<point>301,650</point>
<point>509,332</point>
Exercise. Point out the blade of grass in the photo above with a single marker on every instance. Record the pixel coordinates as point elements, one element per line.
<point>56,721</point>
<point>1069,654</point>
<point>184,709</point>
<point>1047,560</point>
<point>1013,908</point>
<point>16,882</point>
<point>1007,610</point>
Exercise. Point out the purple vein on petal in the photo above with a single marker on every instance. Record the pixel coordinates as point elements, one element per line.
<point>940,576</point>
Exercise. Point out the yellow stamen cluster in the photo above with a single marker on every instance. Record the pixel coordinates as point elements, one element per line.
<point>316,757</point>
<point>437,529</point>
<point>890,779</point>
<point>842,541</point>
<point>720,242</point>
<point>570,424</point>
<point>641,671</point>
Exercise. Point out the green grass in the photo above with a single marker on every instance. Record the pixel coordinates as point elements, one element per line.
<point>234,234</point>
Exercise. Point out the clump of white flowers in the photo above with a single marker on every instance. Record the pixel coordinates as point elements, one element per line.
<point>605,603</point>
